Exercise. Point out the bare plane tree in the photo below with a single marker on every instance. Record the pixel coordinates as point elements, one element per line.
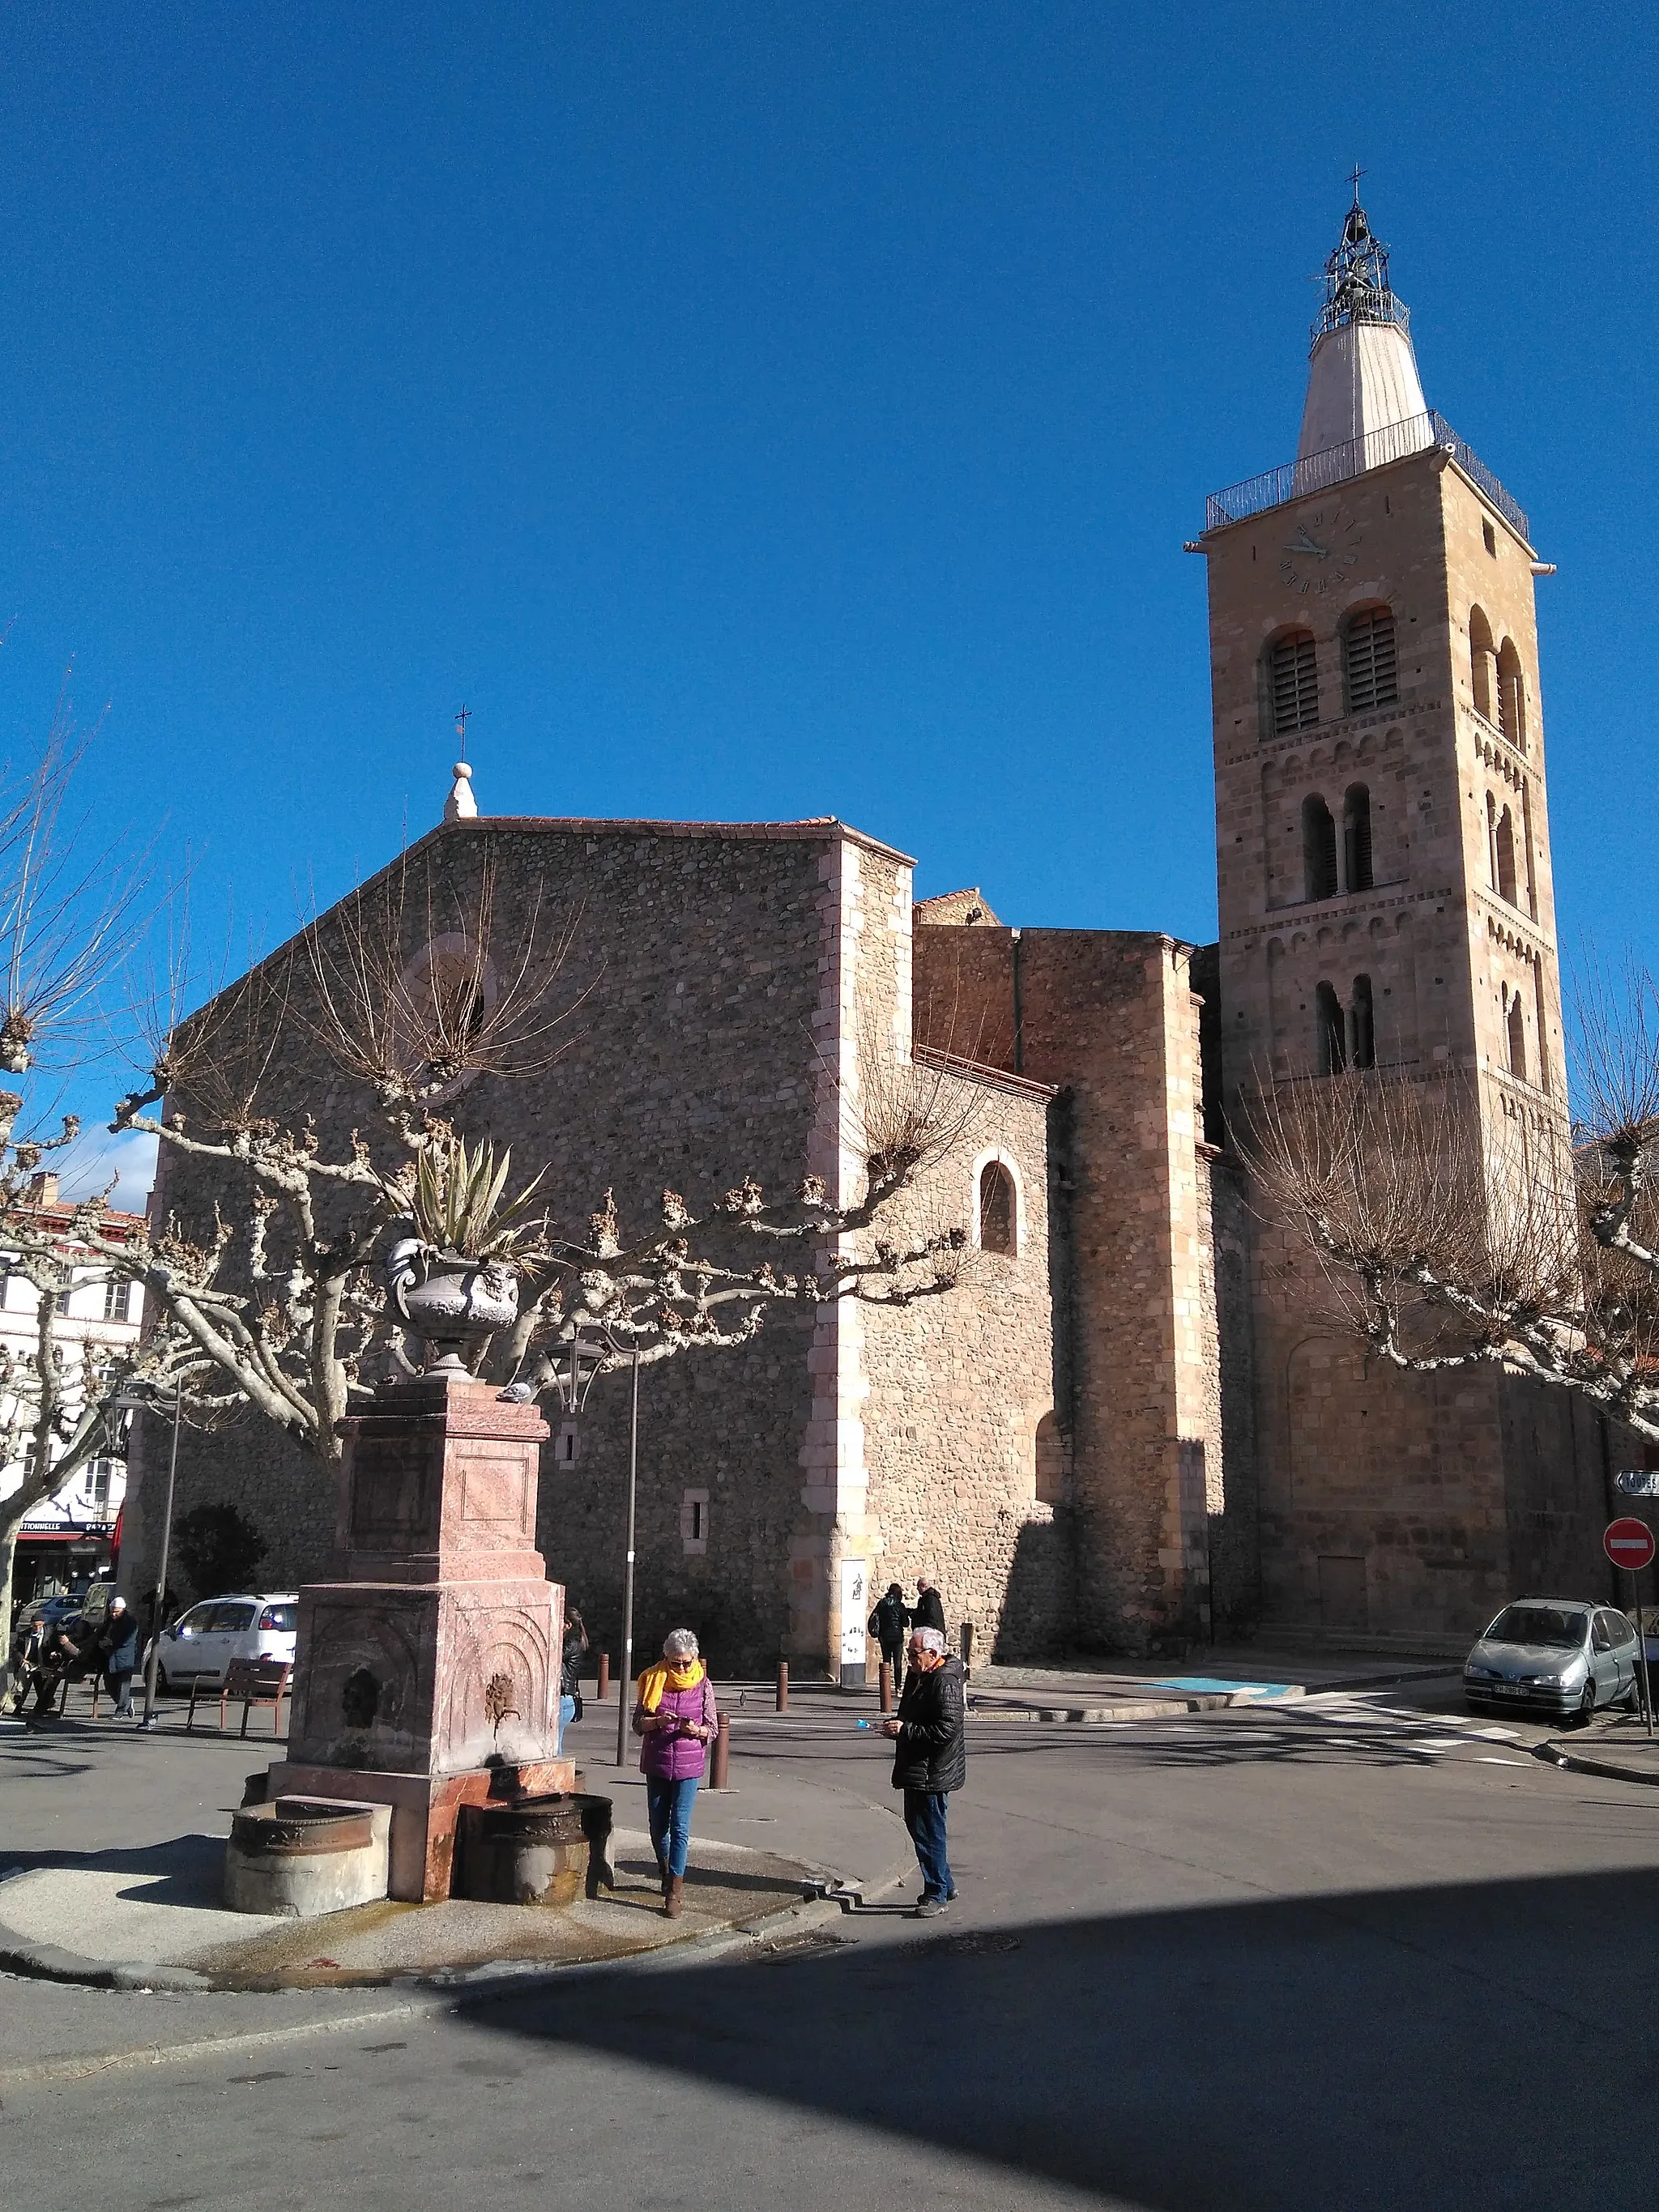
<point>283,1303</point>
<point>1444,1242</point>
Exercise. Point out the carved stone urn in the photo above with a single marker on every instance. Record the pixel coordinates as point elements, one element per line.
<point>452,1304</point>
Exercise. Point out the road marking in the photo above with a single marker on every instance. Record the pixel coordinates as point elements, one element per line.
<point>1491,1759</point>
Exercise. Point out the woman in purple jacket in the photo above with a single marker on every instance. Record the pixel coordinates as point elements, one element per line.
<point>674,1712</point>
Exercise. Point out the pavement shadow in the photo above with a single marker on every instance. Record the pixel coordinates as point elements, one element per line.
<point>1364,2052</point>
<point>187,1870</point>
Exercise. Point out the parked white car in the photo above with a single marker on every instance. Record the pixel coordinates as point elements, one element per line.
<point>200,1646</point>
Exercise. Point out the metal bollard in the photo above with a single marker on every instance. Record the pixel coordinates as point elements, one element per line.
<point>602,1691</point>
<point>783,1685</point>
<point>886,1679</point>
<point>720,1767</point>
<point>967,1644</point>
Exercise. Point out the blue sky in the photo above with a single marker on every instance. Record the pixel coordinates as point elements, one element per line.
<point>761,411</point>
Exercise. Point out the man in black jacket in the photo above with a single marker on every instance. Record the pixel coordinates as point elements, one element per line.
<point>930,1759</point>
<point>888,1624</point>
<point>929,1609</point>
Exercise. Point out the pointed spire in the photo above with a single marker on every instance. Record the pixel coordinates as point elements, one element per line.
<point>461,805</point>
<point>1362,373</point>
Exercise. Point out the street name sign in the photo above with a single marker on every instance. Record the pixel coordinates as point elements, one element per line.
<point>1638,1482</point>
<point>1629,1544</point>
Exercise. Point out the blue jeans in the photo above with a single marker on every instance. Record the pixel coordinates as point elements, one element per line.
<point>924,1816</point>
<point>668,1804</point>
<point>567,1714</point>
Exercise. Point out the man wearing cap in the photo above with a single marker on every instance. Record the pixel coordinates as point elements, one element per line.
<point>930,1759</point>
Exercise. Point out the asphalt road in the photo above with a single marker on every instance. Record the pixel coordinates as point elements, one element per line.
<point>1336,1956</point>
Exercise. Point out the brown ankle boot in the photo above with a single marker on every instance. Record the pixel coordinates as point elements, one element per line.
<point>674,1895</point>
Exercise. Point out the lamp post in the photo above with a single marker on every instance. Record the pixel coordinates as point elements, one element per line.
<point>625,1684</point>
<point>573,1386</point>
<point>132,1401</point>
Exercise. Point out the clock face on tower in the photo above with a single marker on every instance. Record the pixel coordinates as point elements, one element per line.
<point>1320,552</point>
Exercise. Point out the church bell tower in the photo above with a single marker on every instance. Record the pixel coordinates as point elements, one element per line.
<point>1382,839</point>
<point>1385,890</point>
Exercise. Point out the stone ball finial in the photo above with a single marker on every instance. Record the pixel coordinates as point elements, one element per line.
<point>461,805</point>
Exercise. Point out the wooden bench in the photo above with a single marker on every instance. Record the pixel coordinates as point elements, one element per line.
<point>256,1682</point>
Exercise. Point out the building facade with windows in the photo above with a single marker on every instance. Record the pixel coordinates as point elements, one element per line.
<point>69,1537</point>
<point>1126,1428</point>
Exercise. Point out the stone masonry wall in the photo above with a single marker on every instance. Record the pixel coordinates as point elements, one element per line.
<point>692,1061</point>
<point>1111,1018</point>
<point>731,987</point>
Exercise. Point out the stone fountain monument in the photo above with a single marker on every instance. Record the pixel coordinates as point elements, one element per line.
<point>426,1668</point>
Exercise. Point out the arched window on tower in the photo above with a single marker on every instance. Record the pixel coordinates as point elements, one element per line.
<point>1517,1027</point>
<point>1503,855</point>
<point>1361,1031</point>
<point>1512,696</point>
<point>1491,841</point>
<point>996,1209</point>
<point>1331,1035</point>
<point>1292,682</point>
<point>1357,837</point>
<point>1318,849</point>
<point>1483,662</point>
<point>1369,660</point>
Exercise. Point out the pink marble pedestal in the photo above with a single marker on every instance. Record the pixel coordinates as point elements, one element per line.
<point>431,1661</point>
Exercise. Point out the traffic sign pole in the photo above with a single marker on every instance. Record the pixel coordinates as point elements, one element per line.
<point>1642,1645</point>
<point>1629,1543</point>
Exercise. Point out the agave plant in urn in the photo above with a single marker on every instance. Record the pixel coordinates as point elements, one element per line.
<point>454,1278</point>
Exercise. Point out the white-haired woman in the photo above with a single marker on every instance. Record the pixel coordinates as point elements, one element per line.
<point>675,1714</point>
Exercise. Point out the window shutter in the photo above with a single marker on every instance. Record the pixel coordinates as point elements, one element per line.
<point>1295,684</point>
<point>1373,674</point>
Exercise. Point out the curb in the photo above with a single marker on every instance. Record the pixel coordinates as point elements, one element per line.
<point>1555,1754</point>
<point>1143,1708</point>
<point>825,1897</point>
<point>478,1984</point>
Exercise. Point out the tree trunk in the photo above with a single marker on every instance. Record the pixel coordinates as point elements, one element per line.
<point>8,1529</point>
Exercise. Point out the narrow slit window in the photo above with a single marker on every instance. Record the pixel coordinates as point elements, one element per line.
<point>1370,660</point>
<point>1517,1027</point>
<point>996,1209</point>
<point>1512,696</point>
<point>1318,849</point>
<point>1362,1032</point>
<point>1332,1038</point>
<point>1293,680</point>
<point>1356,837</point>
<point>1503,853</point>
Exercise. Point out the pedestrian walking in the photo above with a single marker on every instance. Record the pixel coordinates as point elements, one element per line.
<point>570,1673</point>
<point>674,1712</point>
<point>931,1760</point>
<point>117,1649</point>
<point>928,1611</point>
<point>890,1624</point>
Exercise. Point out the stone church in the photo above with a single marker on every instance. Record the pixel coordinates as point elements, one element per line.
<point>1122,1431</point>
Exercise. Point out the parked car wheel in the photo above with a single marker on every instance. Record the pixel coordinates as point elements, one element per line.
<point>1587,1704</point>
<point>162,1684</point>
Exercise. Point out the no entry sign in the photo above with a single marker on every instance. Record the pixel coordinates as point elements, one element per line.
<point>1629,1544</point>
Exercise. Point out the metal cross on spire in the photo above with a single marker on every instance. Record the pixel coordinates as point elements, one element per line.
<point>1356,174</point>
<point>461,805</point>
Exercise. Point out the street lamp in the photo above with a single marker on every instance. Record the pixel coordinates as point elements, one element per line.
<point>573,1385</point>
<point>146,1401</point>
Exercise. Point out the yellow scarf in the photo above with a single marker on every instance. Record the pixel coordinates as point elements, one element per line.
<point>665,1675</point>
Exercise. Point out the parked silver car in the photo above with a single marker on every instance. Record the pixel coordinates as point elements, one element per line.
<point>1561,1655</point>
<point>200,1646</point>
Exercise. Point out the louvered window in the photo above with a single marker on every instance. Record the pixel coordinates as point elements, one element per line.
<point>1294,682</point>
<point>1372,677</point>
